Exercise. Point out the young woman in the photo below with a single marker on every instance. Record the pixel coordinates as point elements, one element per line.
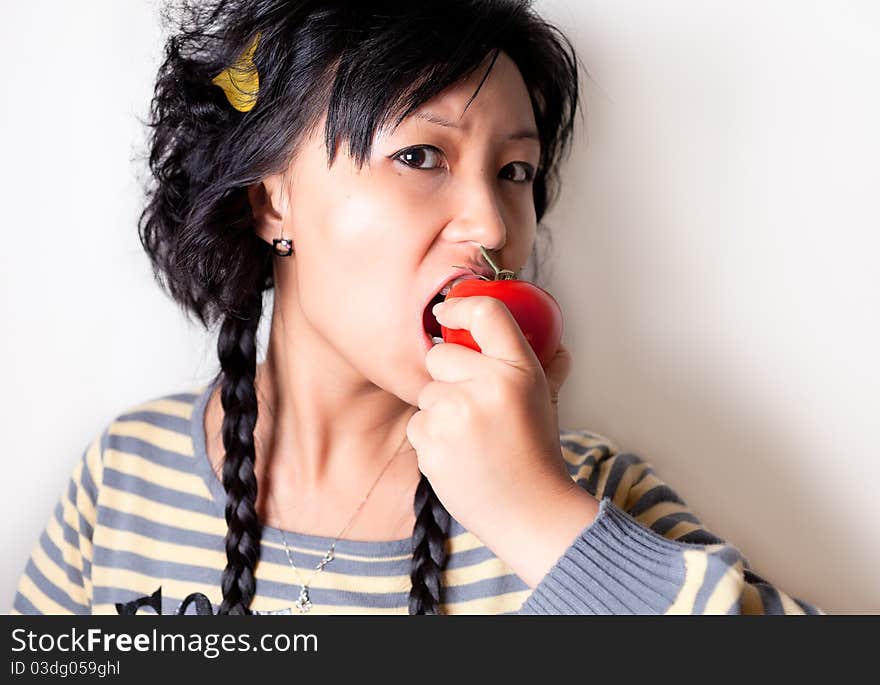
<point>353,158</point>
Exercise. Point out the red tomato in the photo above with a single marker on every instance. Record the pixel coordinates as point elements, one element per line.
<point>535,310</point>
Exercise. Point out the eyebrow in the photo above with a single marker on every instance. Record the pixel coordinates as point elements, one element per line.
<point>526,133</point>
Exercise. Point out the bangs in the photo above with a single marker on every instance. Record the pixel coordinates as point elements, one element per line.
<point>397,62</point>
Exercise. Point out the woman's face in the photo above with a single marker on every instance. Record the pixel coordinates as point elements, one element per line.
<point>372,247</point>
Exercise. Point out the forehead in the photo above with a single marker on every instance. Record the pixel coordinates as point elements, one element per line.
<point>503,100</point>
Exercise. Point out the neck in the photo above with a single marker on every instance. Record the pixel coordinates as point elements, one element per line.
<point>323,436</point>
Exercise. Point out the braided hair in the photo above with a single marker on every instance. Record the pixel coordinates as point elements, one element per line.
<point>354,62</point>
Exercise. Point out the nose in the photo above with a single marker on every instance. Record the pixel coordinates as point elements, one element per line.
<point>479,217</point>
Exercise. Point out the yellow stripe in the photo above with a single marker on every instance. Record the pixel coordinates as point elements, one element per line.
<point>695,564</point>
<point>177,408</point>
<point>161,551</point>
<point>463,542</point>
<point>158,437</point>
<point>681,528</point>
<point>497,604</point>
<point>659,510</point>
<point>593,448</point>
<point>95,464</point>
<point>621,493</point>
<point>649,482</point>
<point>328,580</point>
<point>70,516</point>
<point>143,584</point>
<point>341,555</point>
<point>597,440</point>
<point>507,602</point>
<point>752,604</point>
<point>263,604</point>
<point>728,589</point>
<point>604,471</point>
<point>583,473</point>
<point>44,604</point>
<point>163,476</point>
<point>789,605</point>
<point>485,570</point>
<point>71,555</point>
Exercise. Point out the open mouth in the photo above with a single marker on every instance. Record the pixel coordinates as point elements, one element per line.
<point>429,321</point>
<point>430,324</point>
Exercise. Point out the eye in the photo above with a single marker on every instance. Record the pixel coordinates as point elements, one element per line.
<point>415,156</point>
<point>524,173</point>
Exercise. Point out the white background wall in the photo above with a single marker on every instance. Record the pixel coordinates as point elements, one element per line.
<point>715,254</point>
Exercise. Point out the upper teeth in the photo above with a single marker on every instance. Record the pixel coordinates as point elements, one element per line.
<point>448,286</point>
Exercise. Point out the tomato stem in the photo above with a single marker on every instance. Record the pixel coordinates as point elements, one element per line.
<point>500,274</point>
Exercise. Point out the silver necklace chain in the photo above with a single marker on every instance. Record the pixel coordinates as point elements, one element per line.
<point>303,602</point>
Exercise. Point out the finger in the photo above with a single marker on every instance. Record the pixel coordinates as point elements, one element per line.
<point>491,325</point>
<point>432,393</point>
<point>452,363</point>
<point>558,369</point>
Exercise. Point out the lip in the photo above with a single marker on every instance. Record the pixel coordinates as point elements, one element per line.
<point>474,272</point>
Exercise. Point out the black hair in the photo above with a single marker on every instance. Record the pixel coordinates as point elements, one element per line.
<point>363,63</point>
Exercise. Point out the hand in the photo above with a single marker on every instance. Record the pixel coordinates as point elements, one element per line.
<point>487,430</point>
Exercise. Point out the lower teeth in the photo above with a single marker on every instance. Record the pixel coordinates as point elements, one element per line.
<point>437,339</point>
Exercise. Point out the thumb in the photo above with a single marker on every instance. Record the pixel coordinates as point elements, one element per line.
<point>557,371</point>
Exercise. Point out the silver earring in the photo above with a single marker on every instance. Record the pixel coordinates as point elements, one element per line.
<point>283,246</point>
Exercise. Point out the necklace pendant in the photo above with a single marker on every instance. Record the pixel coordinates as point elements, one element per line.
<point>326,560</point>
<point>303,603</point>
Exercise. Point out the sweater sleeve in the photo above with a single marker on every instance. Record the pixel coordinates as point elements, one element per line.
<point>646,552</point>
<point>57,577</point>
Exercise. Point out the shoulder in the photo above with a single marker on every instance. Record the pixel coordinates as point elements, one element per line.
<point>153,438</point>
<point>165,421</point>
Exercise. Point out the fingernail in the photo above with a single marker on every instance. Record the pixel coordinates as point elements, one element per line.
<point>438,308</point>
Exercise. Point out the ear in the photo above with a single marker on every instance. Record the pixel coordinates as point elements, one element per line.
<point>269,207</point>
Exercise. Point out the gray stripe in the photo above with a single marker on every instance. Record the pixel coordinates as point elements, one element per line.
<point>88,484</point>
<point>666,523</point>
<point>51,550</point>
<point>118,520</point>
<point>807,607</point>
<point>718,563</point>
<point>645,472</point>
<point>83,526</point>
<point>623,461</point>
<point>770,599</point>
<point>700,537</point>
<point>656,495</point>
<point>69,535</point>
<point>150,452</point>
<point>170,422</point>
<point>483,589</point>
<point>23,605</point>
<point>391,567</point>
<point>469,557</point>
<point>159,493</point>
<point>187,397</point>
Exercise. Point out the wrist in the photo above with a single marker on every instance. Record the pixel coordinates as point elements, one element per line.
<point>543,529</point>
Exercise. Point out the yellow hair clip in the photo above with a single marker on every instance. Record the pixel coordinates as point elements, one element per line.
<point>240,81</point>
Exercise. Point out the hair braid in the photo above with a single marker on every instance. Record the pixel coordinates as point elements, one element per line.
<point>237,349</point>
<point>429,550</point>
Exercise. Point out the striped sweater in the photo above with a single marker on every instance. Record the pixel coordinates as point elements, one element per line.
<point>144,510</point>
